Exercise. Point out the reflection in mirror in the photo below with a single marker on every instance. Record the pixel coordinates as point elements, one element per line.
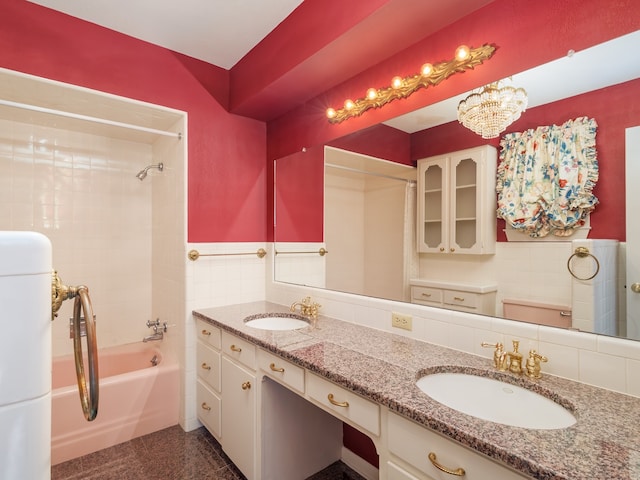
<point>526,273</point>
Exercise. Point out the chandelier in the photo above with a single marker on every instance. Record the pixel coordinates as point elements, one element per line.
<point>489,110</point>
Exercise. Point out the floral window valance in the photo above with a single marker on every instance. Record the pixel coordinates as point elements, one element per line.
<point>546,177</point>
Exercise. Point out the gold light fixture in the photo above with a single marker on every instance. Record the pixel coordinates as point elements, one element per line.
<point>465,58</point>
<point>488,111</point>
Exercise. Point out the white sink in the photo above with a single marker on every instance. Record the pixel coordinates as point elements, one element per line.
<point>495,401</point>
<point>276,322</point>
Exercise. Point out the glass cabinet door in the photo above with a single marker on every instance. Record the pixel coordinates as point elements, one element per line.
<point>457,202</point>
<point>464,233</point>
<point>433,226</point>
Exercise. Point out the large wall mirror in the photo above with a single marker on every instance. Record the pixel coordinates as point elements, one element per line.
<point>345,220</point>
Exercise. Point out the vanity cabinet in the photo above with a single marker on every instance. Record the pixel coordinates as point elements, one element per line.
<point>470,298</point>
<point>344,403</point>
<point>208,368</point>
<point>238,382</point>
<point>457,202</point>
<point>412,444</point>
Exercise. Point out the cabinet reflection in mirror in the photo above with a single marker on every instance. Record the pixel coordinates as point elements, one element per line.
<point>452,253</point>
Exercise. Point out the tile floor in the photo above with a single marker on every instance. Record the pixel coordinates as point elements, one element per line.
<point>169,454</point>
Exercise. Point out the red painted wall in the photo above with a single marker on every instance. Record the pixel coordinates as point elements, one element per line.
<point>614,109</point>
<point>227,174</point>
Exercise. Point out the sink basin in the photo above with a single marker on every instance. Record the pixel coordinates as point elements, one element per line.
<point>496,401</point>
<point>281,321</point>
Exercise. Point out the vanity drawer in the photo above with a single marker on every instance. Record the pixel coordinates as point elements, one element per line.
<point>347,404</point>
<point>426,295</point>
<point>239,349</point>
<point>413,443</point>
<point>208,334</point>
<point>461,299</point>
<point>208,408</point>
<point>282,370</point>
<point>208,365</point>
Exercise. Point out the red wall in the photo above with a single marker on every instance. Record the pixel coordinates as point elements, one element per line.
<point>526,34</point>
<point>227,174</point>
<point>614,109</point>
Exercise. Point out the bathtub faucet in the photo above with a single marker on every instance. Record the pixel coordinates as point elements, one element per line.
<point>158,330</point>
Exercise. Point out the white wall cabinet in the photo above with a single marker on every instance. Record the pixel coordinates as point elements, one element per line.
<point>457,202</point>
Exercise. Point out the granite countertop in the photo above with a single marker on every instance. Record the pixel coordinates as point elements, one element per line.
<point>383,367</point>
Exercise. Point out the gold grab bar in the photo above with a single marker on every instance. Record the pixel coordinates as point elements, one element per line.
<point>82,305</point>
<point>322,252</point>
<point>193,255</point>
<point>582,252</point>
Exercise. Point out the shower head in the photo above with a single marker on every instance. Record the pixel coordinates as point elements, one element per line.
<point>143,173</point>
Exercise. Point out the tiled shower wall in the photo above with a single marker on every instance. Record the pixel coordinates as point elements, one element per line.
<point>80,190</point>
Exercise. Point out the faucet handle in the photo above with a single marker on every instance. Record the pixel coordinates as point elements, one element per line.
<point>499,356</point>
<point>533,364</point>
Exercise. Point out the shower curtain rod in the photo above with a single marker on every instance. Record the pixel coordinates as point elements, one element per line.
<point>356,170</point>
<point>77,116</point>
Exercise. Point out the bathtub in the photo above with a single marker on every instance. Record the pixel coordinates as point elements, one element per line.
<point>136,398</point>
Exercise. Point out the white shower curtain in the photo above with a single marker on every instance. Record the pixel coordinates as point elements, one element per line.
<point>410,246</point>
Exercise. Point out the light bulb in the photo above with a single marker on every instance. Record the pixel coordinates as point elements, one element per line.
<point>372,93</point>
<point>348,104</point>
<point>462,52</point>
<point>396,82</point>
<point>426,70</point>
<point>331,113</point>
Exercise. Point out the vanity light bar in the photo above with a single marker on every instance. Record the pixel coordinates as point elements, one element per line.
<point>465,58</point>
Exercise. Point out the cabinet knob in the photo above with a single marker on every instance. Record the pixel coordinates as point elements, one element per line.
<point>204,366</point>
<point>205,406</point>
<point>246,385</point>
<point>206,332</point>
<point>442,249</point>
<point>452,250</point>
<point>235,349</point>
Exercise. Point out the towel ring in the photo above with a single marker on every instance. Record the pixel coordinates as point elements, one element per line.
<point>582,252</point>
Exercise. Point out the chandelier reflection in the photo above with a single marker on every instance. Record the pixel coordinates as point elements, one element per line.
<point>488,111</point>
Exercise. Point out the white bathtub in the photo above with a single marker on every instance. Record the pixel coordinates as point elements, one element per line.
<point>136,398</point>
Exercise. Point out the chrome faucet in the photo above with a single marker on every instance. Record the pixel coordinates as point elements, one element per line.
<point>158,330</point>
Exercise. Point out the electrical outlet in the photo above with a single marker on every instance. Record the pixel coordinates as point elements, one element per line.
<point>399,320</point>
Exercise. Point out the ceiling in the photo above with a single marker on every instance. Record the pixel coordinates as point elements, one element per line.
<point>301,47</point>
<point>219,32</point>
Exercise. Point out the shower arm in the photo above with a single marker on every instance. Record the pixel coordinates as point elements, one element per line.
<point>60,293</point>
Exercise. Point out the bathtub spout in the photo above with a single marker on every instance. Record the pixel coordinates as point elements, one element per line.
<point>154,336</point>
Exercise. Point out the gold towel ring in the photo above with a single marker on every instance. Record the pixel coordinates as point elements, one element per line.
<point>583,252</point>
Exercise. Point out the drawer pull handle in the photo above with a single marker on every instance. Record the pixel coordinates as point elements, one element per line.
<point>276,369</point>
<point>459,299</point>
<point>426,295</point>
<point>246,385</point>
<point>205,406</point>
<point>205,366</point>
<point>335,402</point>
<point>206,332</point>
<point>235,349</point>
<point>458,472</point>
<point>565,314</point>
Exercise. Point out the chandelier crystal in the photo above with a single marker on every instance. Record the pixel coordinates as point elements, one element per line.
<point>488,111</point>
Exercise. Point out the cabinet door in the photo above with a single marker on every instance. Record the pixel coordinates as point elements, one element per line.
<point>238,415</point>
<point>465,222</point>
<point>433,206</point>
